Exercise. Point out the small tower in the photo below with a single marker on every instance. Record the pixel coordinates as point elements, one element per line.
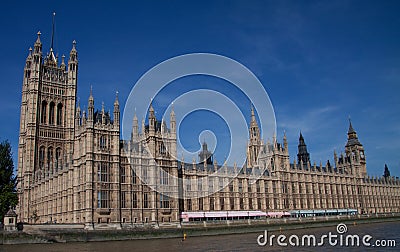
<point>386,173</point>
<point>152,120</point>
<point>303,157</point>
<point>116,110</point>
<point>91,106</point>
<point>285,143</point>
<point>135,128</point>
<point>205,156</point>
<point>253,147</point>
<point>355,152</point>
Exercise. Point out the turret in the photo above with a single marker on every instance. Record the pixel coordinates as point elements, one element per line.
<point>37,56</point>
<point>172,122</point>
<point>90,106</point>
<point>78,115</point>
<point>152,119</point>
<point>135,127</point>
<point>285,143</point>
<point>355,152</point>
<point>253,147</point>
<point>116,110</point>
<point>73,64</point>
<point>386,173</point>
<point>303,156</point>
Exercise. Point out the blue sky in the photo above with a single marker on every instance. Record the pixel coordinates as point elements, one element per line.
<point>320,61</point>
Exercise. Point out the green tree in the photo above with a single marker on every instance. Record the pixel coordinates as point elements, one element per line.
<point>8,195</point>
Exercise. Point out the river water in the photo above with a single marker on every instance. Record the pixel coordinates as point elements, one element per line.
<point>237,242</point>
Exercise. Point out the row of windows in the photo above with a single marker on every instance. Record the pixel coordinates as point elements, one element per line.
<point>52,159</point>
<point>164,200</point>
<point>53,116</point>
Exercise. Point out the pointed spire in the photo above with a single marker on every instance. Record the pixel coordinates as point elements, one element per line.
<point>352,138</point>
<point>301,138</point>
<point>135,126</point>
<point>253,116</point>
<point>37,48</point>
<point>90,105</point>
<point>151,109</point>
<point>116,102</point>
<point>386,172</point>
<point>38,38</point>
<point>52,33</point>
<point>303,156</point>
<point>351,129</point>
<point>116,96</point>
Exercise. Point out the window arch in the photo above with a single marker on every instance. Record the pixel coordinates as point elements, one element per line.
<point>59,114</point>
<point>50,158</point>
<point>41,157</point>
<point>51,113</point>
<point>44,112</point>
<point>58,158</point>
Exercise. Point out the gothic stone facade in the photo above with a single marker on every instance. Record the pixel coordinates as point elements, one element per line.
<point>73,166</point>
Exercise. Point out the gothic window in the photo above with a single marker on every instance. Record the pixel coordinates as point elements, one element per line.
<point>274,187</point>
<point>188,184</point>
<point>123,199</point>
<point>232,203</point>
<point>145,200</point>
<point>103,172</point>
<point>41,157</point>
<point>144,175</point>
<point>241,203</point>
<point>250,203</point>
<point>266,186</point>
<point>199,185</point>
<point>201,204</point>
<point>134,200</point>
<point>51,113</point>
<point>44,112</point>
<point>58,158</point>
<point>231,187</point>
<point>240,186</point>
<point>211,203</point>
<point>134,179</point>
<point>50,158</point>
<point>222,203</point>
<point>211,184</point>
<point>164,180</point>
<point>103,142</point>
<point>189,204</point>
<point>103,199</point>
<point>162,150</point>
<point>59,114</point>
<point>164,201</point>
<point>123,175</point>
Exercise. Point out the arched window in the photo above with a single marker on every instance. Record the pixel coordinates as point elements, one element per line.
<point>41,157</point>
<point>50,158</point>
<point>44,112</point>
<point>58,158</point>
<point>51,113</point>
<point>59,114</point>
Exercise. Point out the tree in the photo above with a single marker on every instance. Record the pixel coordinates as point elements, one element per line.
<point>8,195</point>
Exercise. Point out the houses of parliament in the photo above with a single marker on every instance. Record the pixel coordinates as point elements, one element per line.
<point>73,166</point>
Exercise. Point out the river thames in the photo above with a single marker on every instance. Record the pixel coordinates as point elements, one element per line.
<point>385,233</point>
